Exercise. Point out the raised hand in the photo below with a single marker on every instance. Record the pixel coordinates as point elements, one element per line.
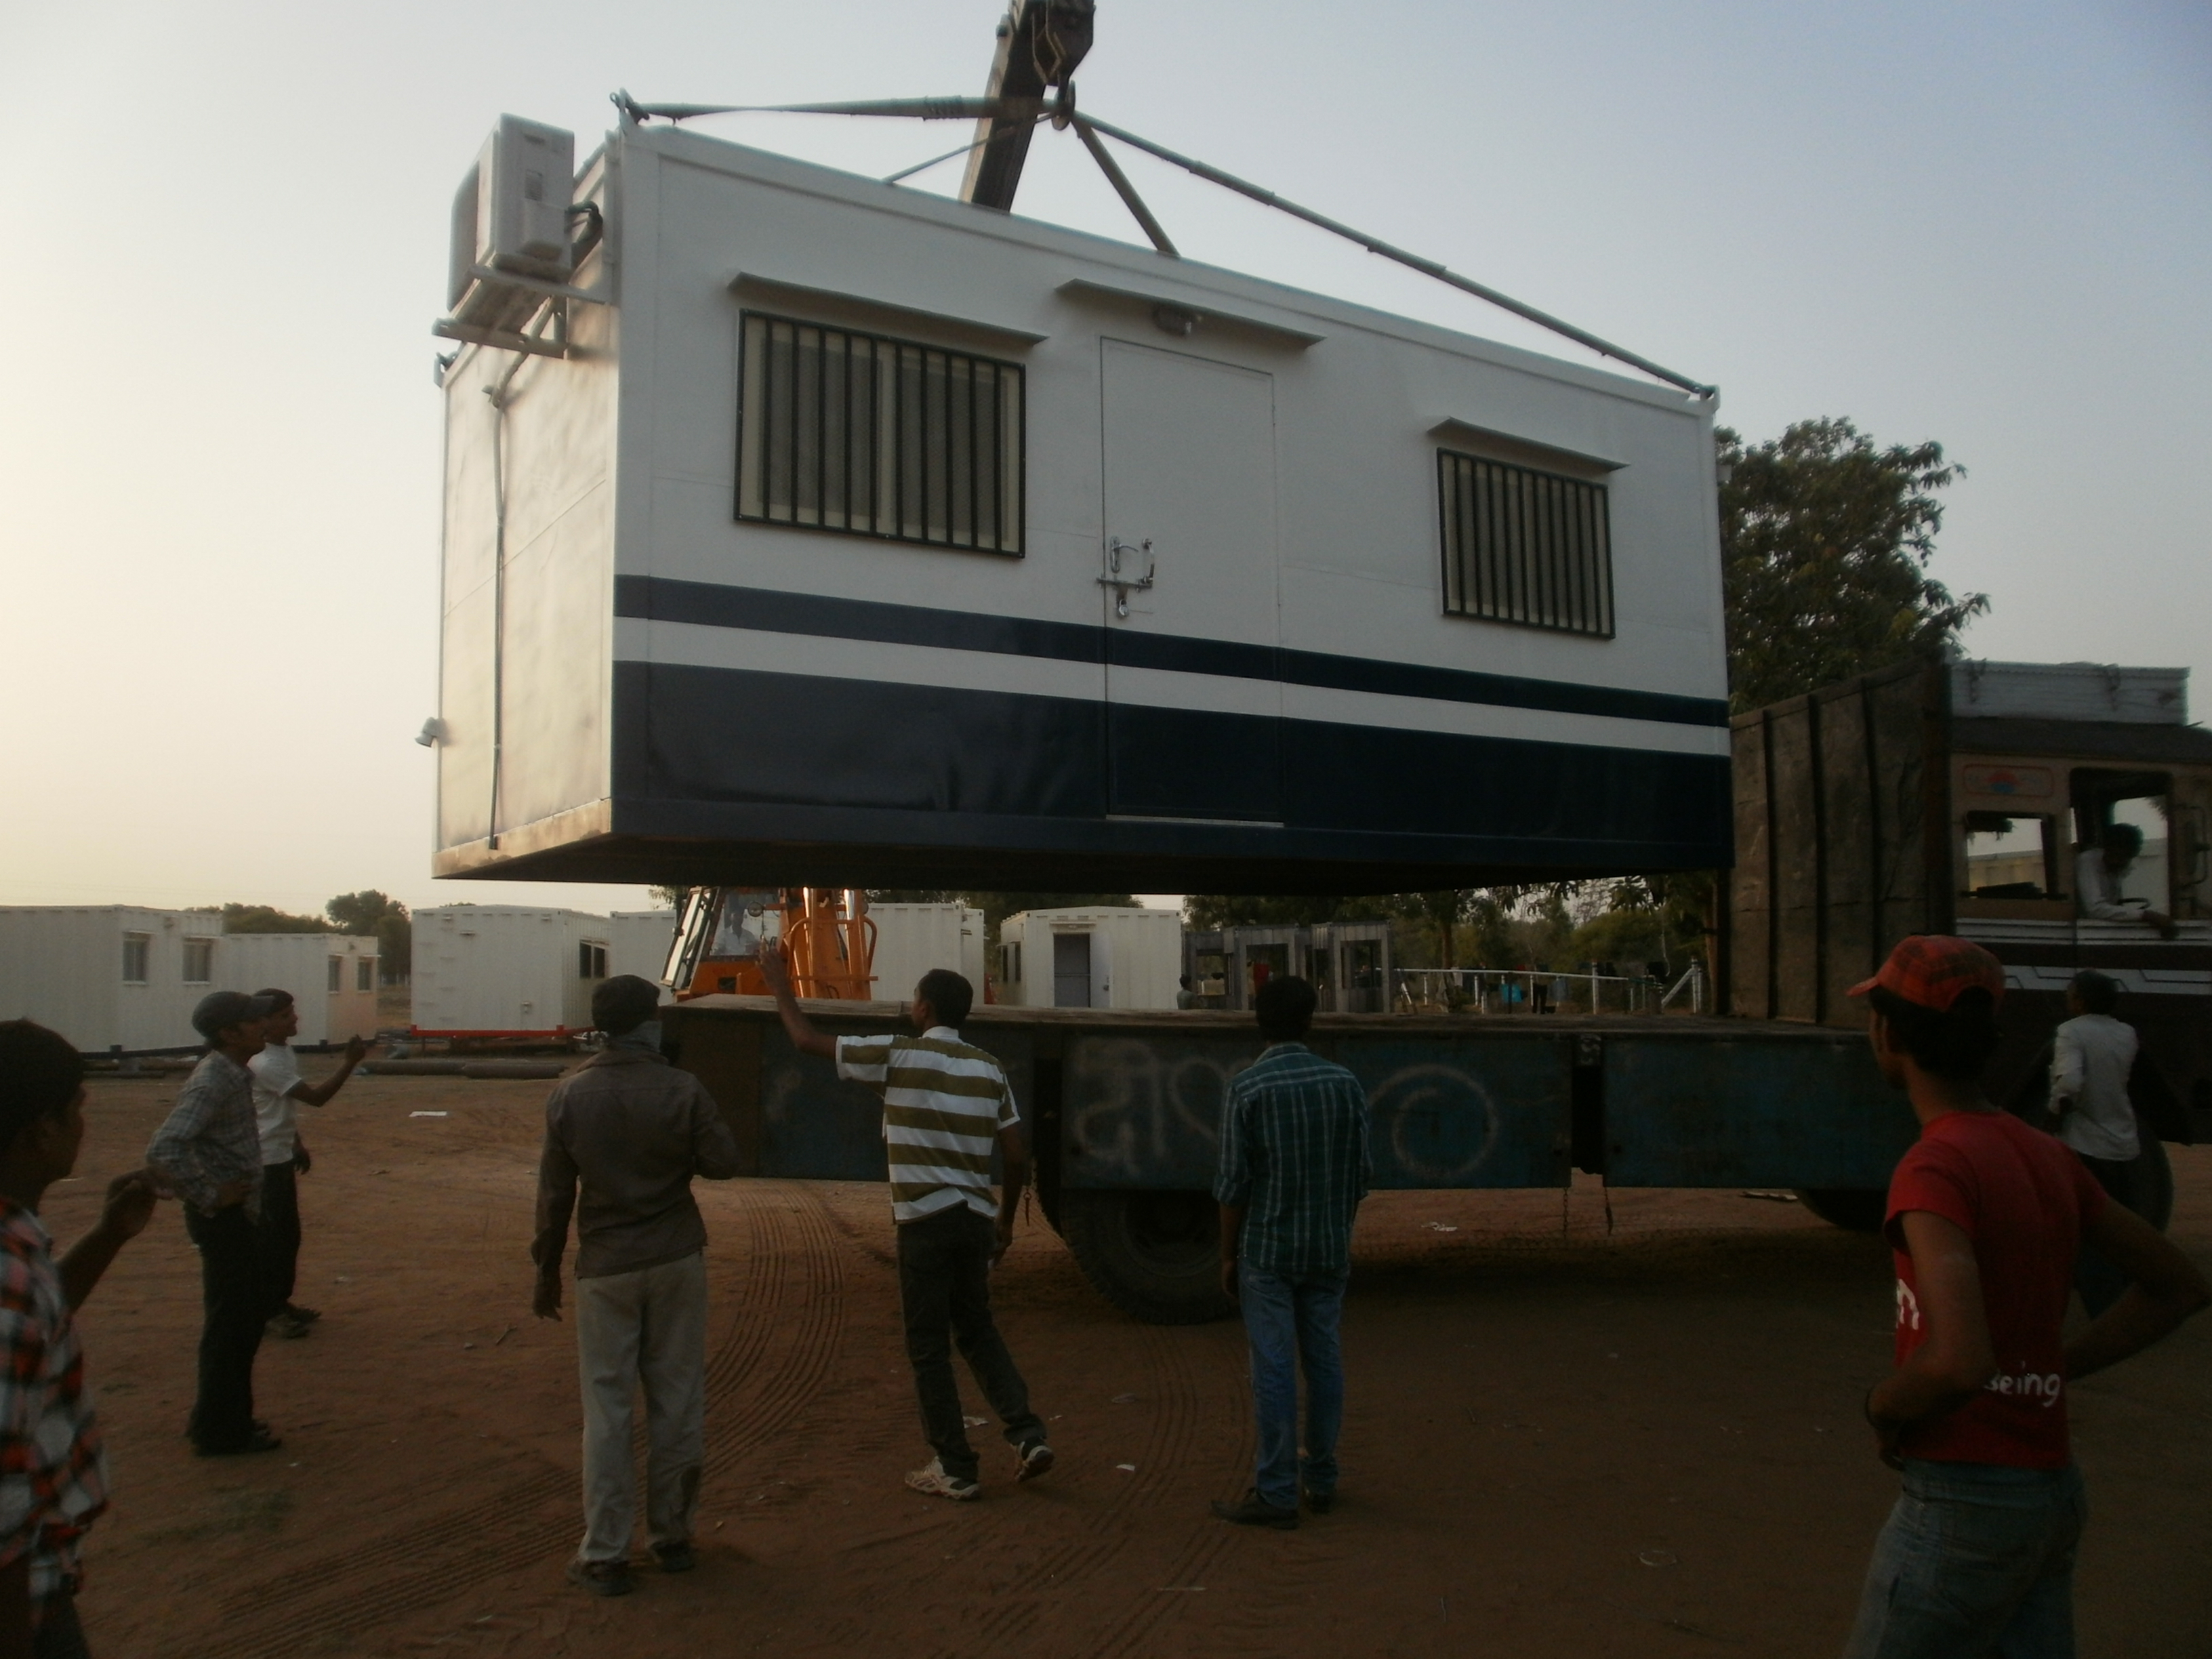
<point>130,1204</point>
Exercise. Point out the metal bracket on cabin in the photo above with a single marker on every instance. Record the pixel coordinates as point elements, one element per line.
<point>1124,585</point>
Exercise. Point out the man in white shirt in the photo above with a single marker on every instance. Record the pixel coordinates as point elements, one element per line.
<point>277,1085</point>
<point>2091,1057</point>
<point>2098,873</point>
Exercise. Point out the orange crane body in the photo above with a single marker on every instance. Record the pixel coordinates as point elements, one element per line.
<point>825,930</point>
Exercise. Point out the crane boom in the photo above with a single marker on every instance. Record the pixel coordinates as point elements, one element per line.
<point>1040,44</point>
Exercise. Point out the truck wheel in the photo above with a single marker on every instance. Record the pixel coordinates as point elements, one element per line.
<point>1157,1255</point>
<point>1854,1209</point>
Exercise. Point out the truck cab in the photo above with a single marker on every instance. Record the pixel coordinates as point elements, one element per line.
<point>1964,797</point>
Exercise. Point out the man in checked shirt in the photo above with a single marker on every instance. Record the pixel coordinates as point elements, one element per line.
<point>1294,1166</point>
<point>209,1154</point>
<point>54,1475</point>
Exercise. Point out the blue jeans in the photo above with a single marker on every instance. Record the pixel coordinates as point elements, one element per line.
<point>1292,1318</point>
<point>1977,1559</point>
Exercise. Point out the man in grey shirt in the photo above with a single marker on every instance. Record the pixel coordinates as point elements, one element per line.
<point>632,1131</point>
<point>209,1154</point>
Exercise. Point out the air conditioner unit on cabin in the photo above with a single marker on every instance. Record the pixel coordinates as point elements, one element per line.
<point>511,215</point>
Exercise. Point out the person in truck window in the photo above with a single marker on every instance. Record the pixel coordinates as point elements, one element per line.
<point>2098,872</point>
<point>2091,1057</point>
<point>1985,1217</point>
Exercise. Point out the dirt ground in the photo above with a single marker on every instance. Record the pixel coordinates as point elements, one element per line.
<point>1561,1440</point>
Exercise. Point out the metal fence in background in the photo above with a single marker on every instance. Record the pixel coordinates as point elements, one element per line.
<point>1534,991</point>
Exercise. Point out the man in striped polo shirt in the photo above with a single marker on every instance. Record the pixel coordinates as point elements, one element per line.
<point>945,1103</point>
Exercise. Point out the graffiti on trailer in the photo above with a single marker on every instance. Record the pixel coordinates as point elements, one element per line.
<point>1438,1124</point>
<point>1145,1109</point>
<point>1149,1111</point>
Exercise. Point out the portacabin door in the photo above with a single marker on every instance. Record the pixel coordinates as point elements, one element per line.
<point>1187,581</point>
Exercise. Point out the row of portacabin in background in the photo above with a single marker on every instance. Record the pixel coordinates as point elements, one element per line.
<point>124,978</point>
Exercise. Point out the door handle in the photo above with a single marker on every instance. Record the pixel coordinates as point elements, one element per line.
<point>1124,585</point>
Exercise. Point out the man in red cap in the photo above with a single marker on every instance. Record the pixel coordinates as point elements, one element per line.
<point>1986,1218</point>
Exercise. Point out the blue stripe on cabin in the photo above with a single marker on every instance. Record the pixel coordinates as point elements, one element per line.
<point>710,604</point>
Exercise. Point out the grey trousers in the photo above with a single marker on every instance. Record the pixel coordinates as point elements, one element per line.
<point>649,1327</point>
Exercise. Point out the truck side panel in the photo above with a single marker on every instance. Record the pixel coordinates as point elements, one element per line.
<point>1120,1103</point>
<point>1841,824</point>
<point>1751,1112</point>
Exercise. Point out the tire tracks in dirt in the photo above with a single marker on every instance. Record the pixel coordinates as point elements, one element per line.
<point>787,1319</point>
<point>1203,1398</point>
<point>1182,1432</point>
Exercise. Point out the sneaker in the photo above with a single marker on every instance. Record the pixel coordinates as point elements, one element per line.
<point>287,1325</point>
<point>1035,1459</point>
<point>1321,1503</point>
<point>937,1483</point>
<point>601,1577</point>
<point>676,1558</point>
<point>1252,1510</point>
<point>260,1440</point>
<point>305,1315</point>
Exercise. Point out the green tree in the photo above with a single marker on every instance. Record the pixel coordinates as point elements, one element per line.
<point>1297,910</point>
<point>265,918</point>
<point>1826,540</point>
<point>371,912</point>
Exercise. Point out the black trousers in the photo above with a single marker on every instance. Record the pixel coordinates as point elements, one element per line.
<point>60,1635</point>
<point>280,1230</point>
<point>945,1291</point>
<point>234,1291</point>
<point>2100,1282</point>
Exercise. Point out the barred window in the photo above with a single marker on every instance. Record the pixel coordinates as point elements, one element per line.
<point>839,430</point>
<point>199,961</point>
<point>1524,546</point>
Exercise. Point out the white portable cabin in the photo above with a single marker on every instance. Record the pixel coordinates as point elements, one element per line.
<point>824,532</point>
<point>640,942</point>
<point>913,939</point>
<point>507,968</point>
<point>331,977</point>
<point>113,977</point>
<point>1105,957</point>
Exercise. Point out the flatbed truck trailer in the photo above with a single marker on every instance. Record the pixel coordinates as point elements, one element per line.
<point>1932,798</point>
<point>1124,1112</point>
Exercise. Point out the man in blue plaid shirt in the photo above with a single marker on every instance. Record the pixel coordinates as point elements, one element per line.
<point>1294,1166</point>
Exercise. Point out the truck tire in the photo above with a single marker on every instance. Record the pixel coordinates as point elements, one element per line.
<point>1854,1209</point>
<point>1157,1255</point>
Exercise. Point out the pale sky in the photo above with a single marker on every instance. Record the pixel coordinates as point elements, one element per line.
<point>219,437</point>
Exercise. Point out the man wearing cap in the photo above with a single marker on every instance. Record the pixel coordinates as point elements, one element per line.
<point>2099,872</point>
<point>209,1154</point>
<point>1985,1216</point>
<point>632,1131</point>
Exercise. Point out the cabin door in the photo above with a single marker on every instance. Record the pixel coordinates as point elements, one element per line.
<point>1193,705</point>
